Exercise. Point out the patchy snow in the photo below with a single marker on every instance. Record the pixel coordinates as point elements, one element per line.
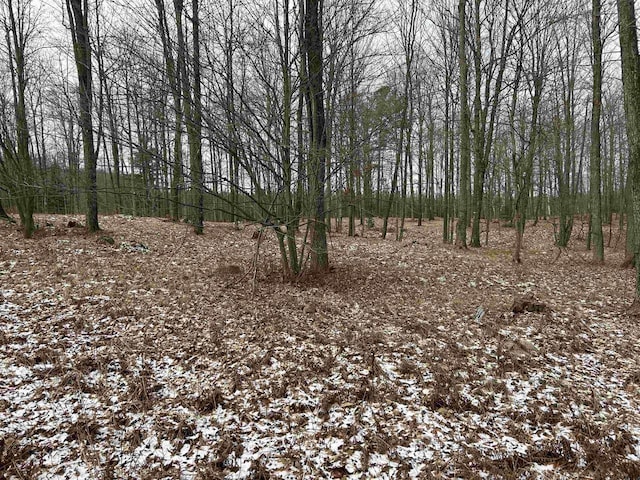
<point>148,359</point>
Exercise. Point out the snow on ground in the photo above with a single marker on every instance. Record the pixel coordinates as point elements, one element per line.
<point>152,356</point>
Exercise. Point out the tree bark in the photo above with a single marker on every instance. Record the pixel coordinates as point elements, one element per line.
<point>631,86</point>
<point>18,155</point>
<point>173,69</point>
<point>195,130</point>
<point>465,142</point>
<point>78,11</point>
<point>317,128</point>
<point>596,212</point>
<point>479,127</point>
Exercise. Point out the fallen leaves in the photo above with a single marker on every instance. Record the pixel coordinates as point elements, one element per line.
<point>139,358</point>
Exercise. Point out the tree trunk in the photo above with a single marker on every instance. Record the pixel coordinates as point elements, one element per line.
<point>447,169</point>
<point>195,138</point>
<point>485,118</point>
<point>173,69</point>
<point>430,180</point>
<point>465,143</point>
<point>631,85</point>
<point>78,11</point>
<point>22,165</point>
<point>352,163</point>
<point>409,50</point>
<point>291,219</point>
<point>479,126</point>
<point>421,119</point>
<point>318,145</point>
<point>596,213</point>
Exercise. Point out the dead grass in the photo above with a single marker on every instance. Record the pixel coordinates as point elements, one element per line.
<point>159,334</point>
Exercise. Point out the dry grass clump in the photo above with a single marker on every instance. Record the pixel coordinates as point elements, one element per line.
<point>210,471</point>
<point>208,400</point>
<point>446,393</point>
<point>258,471</point>
<point>157,471</point>
<point>89,363</point>
<point>606,452</point>
<point>16,458</point>
<point>223,461</point>
<point>409,369</point>
<point>176,427</point>
<point>140,391</point>
<point>84,430</point>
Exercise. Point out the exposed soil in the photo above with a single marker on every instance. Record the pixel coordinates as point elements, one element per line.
<point>146,351</point>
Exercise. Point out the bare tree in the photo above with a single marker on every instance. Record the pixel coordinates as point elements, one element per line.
<point>448,38</point>
<point>194,128</point>
<point>595,163</point>
<point>570,35</point>
<point>318,138</point>
<point>489,78</point>
<point>532,67</point>
<point>173,68</point>
<point>17,166</point>
<point>78,11</point>
<point>465,130</point>
<point>631,85</point>
<point>408,34</point>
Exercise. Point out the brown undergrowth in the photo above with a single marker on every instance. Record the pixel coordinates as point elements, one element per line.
<point>146,351</point>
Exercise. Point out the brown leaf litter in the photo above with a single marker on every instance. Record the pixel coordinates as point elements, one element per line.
<point>145,351</point>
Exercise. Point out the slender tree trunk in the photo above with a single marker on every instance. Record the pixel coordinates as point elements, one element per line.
<point>230,111</point>
<point>421,119</point>
<point>292,264</point>
<point>195,137</point>
<point>106,100</point>
<point>78,11</point>
<point>22,168</point>
<point>396,171</point>
<point>526,172</point>
<point>478,133</point>
<point>318,148</point>
<point>465,127</point>
<point>517,160</point>
<point>173,70</point>
<point>430,180</point>
<point>485,118</point>
<point>631,85</point>
<point>596,213</point>
<point>115,149</point>
<point>406,169</point>
<point>352,164</point>
<point>302,181</point>
<point>183,112</point>
<point>446,167</point>
<point>132,171</point>
<point>409,43</point>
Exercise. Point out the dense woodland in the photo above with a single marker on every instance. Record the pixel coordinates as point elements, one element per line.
<point>165,165</point>
<point>315,115</point>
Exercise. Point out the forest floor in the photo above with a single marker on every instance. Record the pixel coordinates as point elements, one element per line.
<point>160,356</point>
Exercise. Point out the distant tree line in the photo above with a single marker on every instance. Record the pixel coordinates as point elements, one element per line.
<point>306,116</point>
